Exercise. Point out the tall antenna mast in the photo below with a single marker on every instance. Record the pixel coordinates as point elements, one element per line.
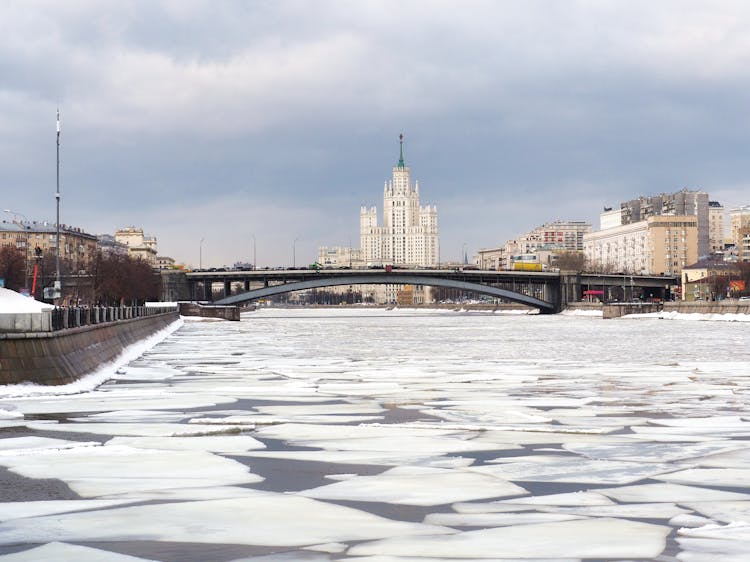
<point>57,289</point>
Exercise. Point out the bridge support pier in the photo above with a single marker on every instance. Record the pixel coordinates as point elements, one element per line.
<point>570,289</point>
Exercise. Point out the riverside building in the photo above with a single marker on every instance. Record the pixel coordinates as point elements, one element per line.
<point>716,232</point>
<point>681,203</point>
<point>658,245</point>
<point>139,246</point>
<point>739,231</point>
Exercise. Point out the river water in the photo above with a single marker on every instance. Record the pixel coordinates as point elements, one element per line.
<point>393,436</point>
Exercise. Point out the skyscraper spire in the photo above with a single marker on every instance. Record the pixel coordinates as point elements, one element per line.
<point>401,150</point>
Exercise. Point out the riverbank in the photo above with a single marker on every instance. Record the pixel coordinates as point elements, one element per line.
<point>62,357</point>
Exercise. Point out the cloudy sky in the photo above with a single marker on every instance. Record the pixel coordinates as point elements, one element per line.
<point>222,120</point>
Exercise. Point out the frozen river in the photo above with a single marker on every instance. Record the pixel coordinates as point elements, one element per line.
<point>393,436</point>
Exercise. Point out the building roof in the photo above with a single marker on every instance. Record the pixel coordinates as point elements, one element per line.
<point>711,262</point>
<point>35,227</point>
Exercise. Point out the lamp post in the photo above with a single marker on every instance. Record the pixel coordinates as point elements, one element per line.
<point>58,280</point>
<point>294,253</point>
<point>200,254</point>
<point>255,259</point>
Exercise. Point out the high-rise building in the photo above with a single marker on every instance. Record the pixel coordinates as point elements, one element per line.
<point>716,234</point>
<point>681,203</point>
<point>739,229</point>
<point>409,234</point>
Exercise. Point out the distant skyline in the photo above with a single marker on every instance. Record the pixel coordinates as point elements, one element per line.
<point>223,120</point>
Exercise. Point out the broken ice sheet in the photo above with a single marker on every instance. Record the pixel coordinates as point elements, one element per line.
<point>100,401</point>
<point>211,443</point>
<point>566,499</point>
<point>106,470</point>
<point>381,458</point>
<point>566,469</point>
<point>32,444</point>
<point>150,373</point>
<point>724,511</point>
<point>670,493</point>
<point>303,433</point>
<point>411,485</point>
<point>530,436</point>
<point>263,518</point>
<point>495,519</point>
<point>650,452</point>
<point>61,551</point>
<point>409,444</point>
<point>133,416</point>
<point>730,477</point>
<point>631,511</point>
<point>586,538</point>
<point>731,459</point>
<point>385,558</point>
<point>155,429</point>
<point>321,408</point>
<point>18,510</point>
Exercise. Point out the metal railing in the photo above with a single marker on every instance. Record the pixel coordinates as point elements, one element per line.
<point>65,317</point>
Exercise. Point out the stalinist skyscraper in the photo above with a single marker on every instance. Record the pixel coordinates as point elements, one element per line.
<point>409,235</point>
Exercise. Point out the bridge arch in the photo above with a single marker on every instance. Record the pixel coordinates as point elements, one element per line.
<point>388,279</point>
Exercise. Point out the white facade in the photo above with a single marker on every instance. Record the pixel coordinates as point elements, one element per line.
<point>622,248</point>
<point>739,219</point>
<point>409,234</point>
<point>338,257</point>
<point>610,218</point>
<point>716,232</point>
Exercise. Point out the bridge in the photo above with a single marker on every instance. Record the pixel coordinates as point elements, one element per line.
<point>547,291</point>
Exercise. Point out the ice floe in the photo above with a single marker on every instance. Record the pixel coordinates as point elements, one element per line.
<point>566,469</point>
<point>495,519</point>
<point>61,551</point>
<point>586,538</point>
<point>676,493</point>
<point>411,485</point>
<point>259,519</point>
<point>107,470</point>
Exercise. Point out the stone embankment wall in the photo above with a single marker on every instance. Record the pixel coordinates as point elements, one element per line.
<point>52,358</point>
<point>210,311</point>
<point>621,309</point>
<point>728,306</point>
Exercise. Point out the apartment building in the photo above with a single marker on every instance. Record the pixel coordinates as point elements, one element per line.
<point>655,246</point>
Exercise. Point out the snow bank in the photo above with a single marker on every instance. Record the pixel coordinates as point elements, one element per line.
<point>694,316</point>
<point>581,312</point>
<point>12,302</point>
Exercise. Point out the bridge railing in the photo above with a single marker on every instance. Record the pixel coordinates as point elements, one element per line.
<point>65,317</point>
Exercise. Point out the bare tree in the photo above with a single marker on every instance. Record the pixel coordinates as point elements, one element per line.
<point>13,267</point>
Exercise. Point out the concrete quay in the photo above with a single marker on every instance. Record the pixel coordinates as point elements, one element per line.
<point>64,356</point>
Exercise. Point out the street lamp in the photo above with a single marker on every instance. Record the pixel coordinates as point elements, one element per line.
<point>58,278</point>
<point>255,259</point>
<point>200,254</point>
<point>294,253</point>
